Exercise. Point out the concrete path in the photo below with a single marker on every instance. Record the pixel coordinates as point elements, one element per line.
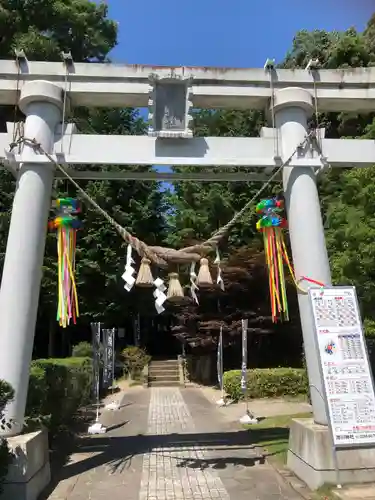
<point>175,445</point>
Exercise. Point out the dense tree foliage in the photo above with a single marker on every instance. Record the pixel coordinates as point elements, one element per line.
<point>346,194</point>
<point>199,209</point>
<point>45,28</point>
<point>138,206</point>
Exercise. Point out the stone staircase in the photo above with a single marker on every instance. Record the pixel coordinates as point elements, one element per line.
<point>164,373</point>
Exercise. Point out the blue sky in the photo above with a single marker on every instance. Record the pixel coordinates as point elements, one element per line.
<point>236,33</point>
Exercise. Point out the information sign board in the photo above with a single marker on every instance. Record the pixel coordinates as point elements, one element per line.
<point>347,377</point>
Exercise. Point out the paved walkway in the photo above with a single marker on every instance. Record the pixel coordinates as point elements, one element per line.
<point>169,444</point>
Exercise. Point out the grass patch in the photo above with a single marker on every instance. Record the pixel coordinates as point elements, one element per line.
<point>134,383</point>
<point>324,493</point>
<point>299,398</point>
<point>272,434</point>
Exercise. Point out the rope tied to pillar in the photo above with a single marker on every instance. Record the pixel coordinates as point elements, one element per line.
<point>273,118</point>
<point>16,124</point>
<point>65,98</point>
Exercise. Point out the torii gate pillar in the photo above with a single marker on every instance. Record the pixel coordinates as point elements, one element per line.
<point>292,107</point>
<point>41,102</point>
<point>310,454</point>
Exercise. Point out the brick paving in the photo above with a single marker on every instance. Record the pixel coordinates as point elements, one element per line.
<point>163,475</point>
<point>173,446</point>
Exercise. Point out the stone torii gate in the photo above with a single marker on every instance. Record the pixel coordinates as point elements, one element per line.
<point>42,90</point>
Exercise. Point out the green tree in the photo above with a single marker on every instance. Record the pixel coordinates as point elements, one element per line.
<point>201,208</point>
<point>345,196</point>
<point>336,49</point>
<point>136,205</point>
<point>351,235</point>
<point>45,28</point>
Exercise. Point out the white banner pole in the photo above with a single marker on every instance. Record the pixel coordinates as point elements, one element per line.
<point>248,418</point>
<point>97,427</point>
<point>220,368</point>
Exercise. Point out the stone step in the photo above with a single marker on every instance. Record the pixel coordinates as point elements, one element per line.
<point>162,371</point>
<point>161,378</point>
<point>164,366</point>
<point>164,361</point>
<point>163,383</point>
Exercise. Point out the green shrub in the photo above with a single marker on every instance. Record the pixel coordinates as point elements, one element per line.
<point>57,388</point>
<point>5,461</point>
<point>82,350</point>
<point>6,395</point>
<point>267,383</point>
<point>135,359</point>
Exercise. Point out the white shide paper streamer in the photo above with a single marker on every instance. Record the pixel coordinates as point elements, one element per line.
<point>193,285</point>
<point>159,295</point>
<point>219,279</point>
<point>129,270</point>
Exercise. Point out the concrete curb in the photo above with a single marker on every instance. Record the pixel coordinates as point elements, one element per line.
<point>296,484</point>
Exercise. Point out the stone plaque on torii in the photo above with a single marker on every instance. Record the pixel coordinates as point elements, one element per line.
<point>43,92</point>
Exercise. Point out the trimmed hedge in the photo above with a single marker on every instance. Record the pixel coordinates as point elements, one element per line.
<point>267,383</point>
<point>83,350</point>
<point>135,359</point>
<point>6,395</point>
<point>57,388</point>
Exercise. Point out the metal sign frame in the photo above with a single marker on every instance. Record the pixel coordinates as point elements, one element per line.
<point>96,337</point>
<point>244,327</point>
<point>108,357</point>
<point>346,445</point>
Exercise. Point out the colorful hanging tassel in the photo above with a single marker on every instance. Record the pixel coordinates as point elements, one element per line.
<point>271,224</point>
<point>67,226</point>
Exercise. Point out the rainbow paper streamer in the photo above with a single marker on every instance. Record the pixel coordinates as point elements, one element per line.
<point>271,224</point>
<point>66,225</point>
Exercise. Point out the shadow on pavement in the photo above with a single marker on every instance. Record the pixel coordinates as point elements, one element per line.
<point>200,450</point>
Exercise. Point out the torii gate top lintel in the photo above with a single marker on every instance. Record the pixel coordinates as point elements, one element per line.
<point>116,85</point>
<point>91,84</point>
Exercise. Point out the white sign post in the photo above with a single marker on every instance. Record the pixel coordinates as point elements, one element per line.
<point>137,330</point>
<point>345,368</point>
<point>109,365</point>
<point>248,418</point>
<point>220,370</point>
<point>97,427</point>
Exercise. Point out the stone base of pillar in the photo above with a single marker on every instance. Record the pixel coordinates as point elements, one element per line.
<point>310,457</point>
<point>30,472</point>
